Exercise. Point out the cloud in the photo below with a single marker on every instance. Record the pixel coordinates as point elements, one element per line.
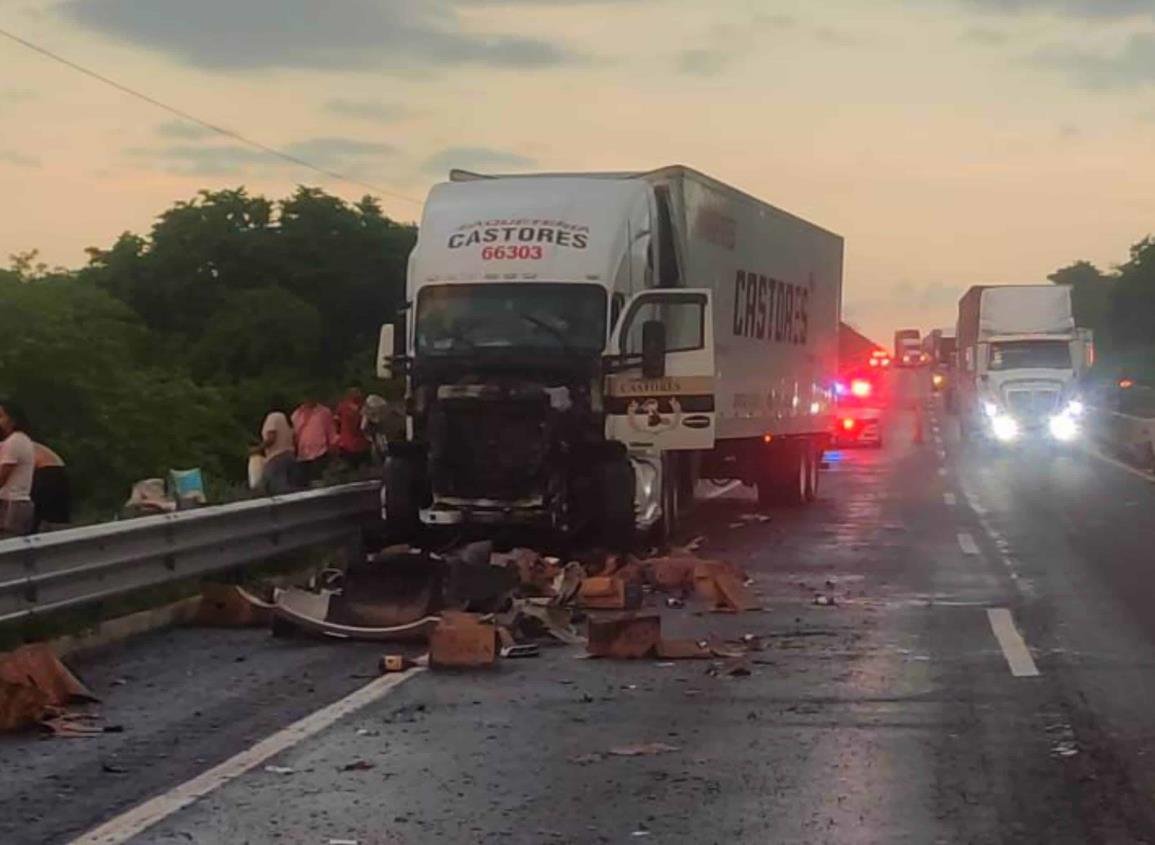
<point>703,62</point>
<point>191,159</point>
<point>335,151</point>
<point>260,34</point>
<point>475,158</point>
<point>1103,9</point>
<point>183,130</point>
<point>985,36</point>
<point>18,159</point>
<point>374,111</point>
<point>1132,66</point>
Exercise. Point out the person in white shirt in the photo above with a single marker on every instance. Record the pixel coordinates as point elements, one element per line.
<point>17,465</point>
<point>278,448</point>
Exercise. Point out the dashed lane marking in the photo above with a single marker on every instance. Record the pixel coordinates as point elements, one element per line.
<point>1015,650</point>
<point>967,543</point>
<point>949,499</point>
<point>140,818</point>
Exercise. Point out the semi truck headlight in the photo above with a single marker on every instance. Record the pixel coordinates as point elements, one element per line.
<point>991,409</point>
<point>1064,428</point>
<point>1005,428</point>
<point>1074,409</point>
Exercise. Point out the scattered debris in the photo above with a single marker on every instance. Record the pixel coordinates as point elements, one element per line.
<point>113,769</point>
<point>316,613</point>
<point>396,663</point>
<point>607,592</point>
<point>280,770</point>
<point>683,650</point>
<point>644,750</point>
<point>731,594</point>
<point>520,650</point>
<point>586,759</point>
<point>676,603</point>
<point>754,517</point>
<point>625,637</point>
<point>823,600</point>
<point>462,640</point>
<point>358,766</point>
<point>232,606</point>
<point>35,685</point>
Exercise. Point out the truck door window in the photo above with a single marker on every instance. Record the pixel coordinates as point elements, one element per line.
<point>684,320</point>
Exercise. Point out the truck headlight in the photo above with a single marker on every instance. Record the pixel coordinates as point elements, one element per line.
<point>991,409</point>
<point>1064,428</point>
<point>1074,409</point>
<point>1005,428</point>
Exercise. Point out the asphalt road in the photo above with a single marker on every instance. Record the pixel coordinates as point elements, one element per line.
<point>984,675</point>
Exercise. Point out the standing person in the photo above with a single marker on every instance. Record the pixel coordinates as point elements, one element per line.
<point>316,438</point>
<point>51,492</point>
<point>352,446</point>
<point>17,464</point>
<point>279,453</point>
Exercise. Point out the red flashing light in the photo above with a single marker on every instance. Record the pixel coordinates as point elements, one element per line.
<point>861,388</point>
<point>849,423</point>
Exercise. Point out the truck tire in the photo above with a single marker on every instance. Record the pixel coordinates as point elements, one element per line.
<point>785,480</point>
<point>615,487</point>
<point>813,459</point>
<point>798,479</point>
<point>399,499</point>
<point>671,497</point>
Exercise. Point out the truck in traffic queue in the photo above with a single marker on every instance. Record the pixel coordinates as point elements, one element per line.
<point>579,349</point>
<point>907,348</point>
<point>1020,361</point>
<point>938,349</point>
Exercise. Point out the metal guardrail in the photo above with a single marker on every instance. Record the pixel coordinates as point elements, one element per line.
<point>77,566</point>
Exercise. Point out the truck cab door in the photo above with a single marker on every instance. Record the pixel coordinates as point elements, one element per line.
<point>672,408</point>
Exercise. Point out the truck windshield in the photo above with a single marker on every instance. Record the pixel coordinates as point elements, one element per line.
<point>1030,355</point>
<point>523,315</point>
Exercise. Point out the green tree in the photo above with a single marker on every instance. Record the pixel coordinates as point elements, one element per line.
<point>1091,294</point>
<point>1133,305</point>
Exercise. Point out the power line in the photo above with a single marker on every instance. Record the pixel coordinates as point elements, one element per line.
<point>183,115</point>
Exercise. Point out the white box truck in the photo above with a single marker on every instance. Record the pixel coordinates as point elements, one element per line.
<point>1020,360</point>
<point>580,349</point>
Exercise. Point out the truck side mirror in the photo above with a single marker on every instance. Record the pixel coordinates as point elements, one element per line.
<point>653,349</point>
<point>385,352</point>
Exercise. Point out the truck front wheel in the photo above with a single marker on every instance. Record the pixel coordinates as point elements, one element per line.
<point>399,499</point>
<point>615,487</point>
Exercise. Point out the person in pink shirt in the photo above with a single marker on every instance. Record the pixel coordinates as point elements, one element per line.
<point>316,438</point>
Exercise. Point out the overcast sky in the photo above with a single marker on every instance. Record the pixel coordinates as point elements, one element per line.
<point>951,142</point>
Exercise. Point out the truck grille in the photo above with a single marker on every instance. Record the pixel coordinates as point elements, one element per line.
<point>491,450</point>
<point>1032,405</point>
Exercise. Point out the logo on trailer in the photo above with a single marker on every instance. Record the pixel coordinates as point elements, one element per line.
<point>646,418</point>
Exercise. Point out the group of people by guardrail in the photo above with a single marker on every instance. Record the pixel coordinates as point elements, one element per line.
<point>297,449</point>
<point>34,489</point>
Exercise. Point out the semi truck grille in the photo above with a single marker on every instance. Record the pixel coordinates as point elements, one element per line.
<point>1032,405</point>
<point>493,450</point>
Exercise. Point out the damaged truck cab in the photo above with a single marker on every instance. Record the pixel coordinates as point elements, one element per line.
<point>560,352</point>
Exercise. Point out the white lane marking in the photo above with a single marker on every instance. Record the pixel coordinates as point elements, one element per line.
<point>1015,650</point>
<point>967,543</point>
<point>140,818</point>
<point>1138,473</point>
<point>722,491</point>
<point>942,471</point>
<point>941,455</point>
<point>949,499</point>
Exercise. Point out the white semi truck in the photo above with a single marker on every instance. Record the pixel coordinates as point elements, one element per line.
<point>1020,359</point>
<point>580,349</point>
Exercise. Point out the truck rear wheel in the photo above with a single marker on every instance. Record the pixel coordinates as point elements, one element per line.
<point>786,478</point>
<point>813,460</point>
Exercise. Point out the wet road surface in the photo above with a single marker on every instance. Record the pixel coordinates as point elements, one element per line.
<point>986,673</point>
